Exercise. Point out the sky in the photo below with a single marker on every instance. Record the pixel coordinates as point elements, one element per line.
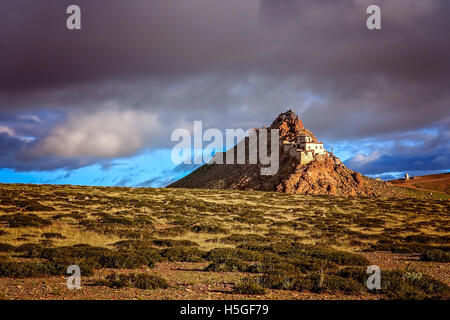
<point>97,106</point>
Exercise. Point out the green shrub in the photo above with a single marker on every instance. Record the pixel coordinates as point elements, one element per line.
<point>249,286</point>
<point>183,254</point>
<point>143,220</point>
<point>30,250</point>
<point>75,251</point>
<point>348,286</point>
<point>281,265</point>
<point>52,235</point>
<point>74,215</point>
<point>171,232</point>
<point>144,281</point>
<point>173,243</point>
<point>306,283</point>
<point>125,260</point>
<point>94,257</point>
<point>436,256</point>
<point>399,247</point>
<point>245,238</point>
<point>140,247</point>
<point>341,258</point>
<point>369,222</point>
<point>310,256</point>
<point>356,273</point>
<point>20,269</point>
<point>278,280</point>
<point>208,229</point>
<point>136,280</point>
<point>132,245</point>
<point>425,238</point>
<point>318,282</point>
<point>108,218</point>
<point>412,286</point>
<point>433,288</point>
<point>304,264</point>
<point>46,242</point>
<point>227,265</point>
<point>14,269</point>
<point>231,253</point>
<point>6,247</point>
<point>19,220</point>
<point>27,205</point>
<point>401,284</point>
<point>257,267</point>
<point>59,267</point>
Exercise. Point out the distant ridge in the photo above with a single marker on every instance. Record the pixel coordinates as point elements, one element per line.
<point>431,183</point>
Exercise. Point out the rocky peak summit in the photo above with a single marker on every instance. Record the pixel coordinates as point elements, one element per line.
<point>288,118</point>
<point>290,126</point>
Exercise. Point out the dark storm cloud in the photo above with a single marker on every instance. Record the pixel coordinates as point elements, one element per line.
<point>413,152</point>
<point>166,38</point>
<point>121,39</point>
<point>403,163</point>
<point>229,63</point>
<point>396,162</point>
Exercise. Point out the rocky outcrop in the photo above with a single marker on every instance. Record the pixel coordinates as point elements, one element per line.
<point>290,126</point>
<point>327,175</point>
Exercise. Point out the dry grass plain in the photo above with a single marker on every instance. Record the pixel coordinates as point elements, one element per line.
<point>139,243</point>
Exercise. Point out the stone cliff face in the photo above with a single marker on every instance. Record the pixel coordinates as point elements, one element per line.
<point>325,176</point>
<point>290,126</point>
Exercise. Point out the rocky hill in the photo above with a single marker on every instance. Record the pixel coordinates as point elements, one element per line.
<point>326,176</point>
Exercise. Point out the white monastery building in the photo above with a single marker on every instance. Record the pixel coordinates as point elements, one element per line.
<point>304,149</point>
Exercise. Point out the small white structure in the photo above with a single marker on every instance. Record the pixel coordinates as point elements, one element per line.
<point>407,176</point>
<point>304,149</point>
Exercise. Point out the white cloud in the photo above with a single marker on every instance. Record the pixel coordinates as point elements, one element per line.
<point>108,132</point>
<point>30,117</point>
<point>362,159</point>
<point>8,131</point>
